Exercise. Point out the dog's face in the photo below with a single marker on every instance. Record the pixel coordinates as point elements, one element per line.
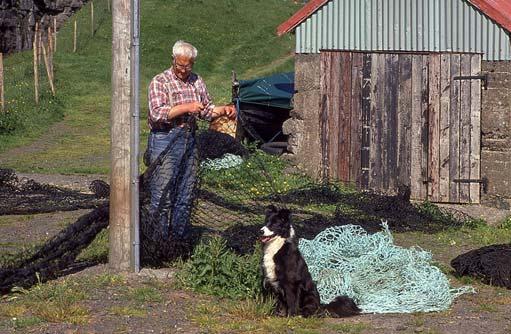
<point>277,224</point>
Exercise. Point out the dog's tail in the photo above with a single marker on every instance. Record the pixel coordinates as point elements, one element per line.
<point>342,306</point>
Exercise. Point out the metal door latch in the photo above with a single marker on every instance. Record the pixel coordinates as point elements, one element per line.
<point>482,77</point>
<point>483,182</point>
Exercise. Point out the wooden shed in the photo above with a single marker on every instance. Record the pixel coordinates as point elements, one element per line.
<point>389,95</point>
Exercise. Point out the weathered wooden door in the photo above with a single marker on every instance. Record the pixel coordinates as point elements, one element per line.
<point>399,120</point>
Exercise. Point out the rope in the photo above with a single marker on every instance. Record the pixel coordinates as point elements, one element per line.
<point>380,276</point>
<point>227,161</point>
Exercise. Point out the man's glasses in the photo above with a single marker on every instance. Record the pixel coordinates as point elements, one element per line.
<point>183,67</point>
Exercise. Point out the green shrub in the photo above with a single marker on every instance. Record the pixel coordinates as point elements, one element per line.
<point>216,270</point>
<point>474,223</point>
<point>434,213</point>
<point>506,223</point>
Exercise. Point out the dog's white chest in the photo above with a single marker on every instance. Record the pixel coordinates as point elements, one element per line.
<point>268,262</point>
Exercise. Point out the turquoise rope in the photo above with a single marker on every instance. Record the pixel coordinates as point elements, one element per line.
<point>380,276</point>
<point>227,161</point>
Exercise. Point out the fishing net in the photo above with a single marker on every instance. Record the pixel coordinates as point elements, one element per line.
<point>24,196</point>
<point>234,185</point>
<point>380,276</point>
<point>491,264</point>
<point>211,204</point>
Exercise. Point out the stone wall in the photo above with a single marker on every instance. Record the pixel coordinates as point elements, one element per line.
<point>18,18</point>
<point>303,126</point>
<point>496,133</point>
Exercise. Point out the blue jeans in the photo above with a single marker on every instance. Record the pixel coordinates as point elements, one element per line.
<point>173,182</point>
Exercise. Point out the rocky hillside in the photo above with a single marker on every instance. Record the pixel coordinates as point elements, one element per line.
<point>18,18</point>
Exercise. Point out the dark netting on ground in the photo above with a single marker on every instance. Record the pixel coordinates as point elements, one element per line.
<point>233,188</point>
<point>22,196</point>
<point>491,264</point>
<point>58,255</point>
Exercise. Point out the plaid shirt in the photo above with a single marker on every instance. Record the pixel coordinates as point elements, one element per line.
<point>166,91</point>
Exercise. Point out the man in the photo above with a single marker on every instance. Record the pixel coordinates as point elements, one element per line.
<point>177,97</point>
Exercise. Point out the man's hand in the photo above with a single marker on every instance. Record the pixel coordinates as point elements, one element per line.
<point>181,109</point>
<point>230,111</point>
<point>194,107</point>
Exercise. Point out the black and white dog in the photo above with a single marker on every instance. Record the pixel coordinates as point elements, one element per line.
<point>286,273</point>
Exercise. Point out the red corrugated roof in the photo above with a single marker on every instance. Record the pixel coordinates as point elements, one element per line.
<point>498,10</point>
<point>300,16</point>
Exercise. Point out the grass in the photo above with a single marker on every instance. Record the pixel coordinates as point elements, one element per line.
<point>258,176</point>
<point>80,143</point>
<point>97,251</point>
<point>8,220</point>
<point>144,294</point>
<point>457,239</point>
<point>59,301</point>
<point>51,302</point>
<point>254,316</point>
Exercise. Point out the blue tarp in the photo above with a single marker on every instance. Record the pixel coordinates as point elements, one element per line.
<point>273,91</point>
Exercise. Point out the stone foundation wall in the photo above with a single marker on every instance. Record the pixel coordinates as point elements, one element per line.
<point>496,133</point>
<point>303,126</point>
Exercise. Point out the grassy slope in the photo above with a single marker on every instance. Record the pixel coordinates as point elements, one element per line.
<point>229,34</point>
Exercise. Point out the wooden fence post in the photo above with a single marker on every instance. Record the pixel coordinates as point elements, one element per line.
<point>50,50</point>
<point>54,34</point>
<point>92,18</point>
<point>35,47</point>
<point>39,43</point>
<point>48,70</point>
<point>2,103</point>
<point>74,37</point>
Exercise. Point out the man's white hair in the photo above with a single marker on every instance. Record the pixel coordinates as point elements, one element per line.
<point>182,48</point>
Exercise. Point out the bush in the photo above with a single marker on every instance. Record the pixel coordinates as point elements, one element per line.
<point>506,223</point>
<point>10,121</point>
<point>214,269</point>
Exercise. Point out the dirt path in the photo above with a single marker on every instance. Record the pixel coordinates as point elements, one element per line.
<point>491,215</point>
<point>41,144</point>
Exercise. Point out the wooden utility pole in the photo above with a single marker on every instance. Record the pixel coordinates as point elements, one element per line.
<point>121,238</point>
<point>2,100</point>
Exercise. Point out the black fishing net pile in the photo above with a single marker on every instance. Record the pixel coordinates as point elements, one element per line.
<point>23,196</point>
<point>224,210</point>
<point>491,264</point>
<point>57,256</point>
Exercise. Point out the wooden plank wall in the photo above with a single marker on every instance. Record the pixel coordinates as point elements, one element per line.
<point>419,127</point>
<point>454,129</point>
<point>340,115</point>
<point>394,120</point>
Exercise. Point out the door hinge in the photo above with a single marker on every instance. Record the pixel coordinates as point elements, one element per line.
<point>483,182</point>
<point>482,77</point>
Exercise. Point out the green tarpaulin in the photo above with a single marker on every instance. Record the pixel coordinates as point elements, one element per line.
<point>273,91</point>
